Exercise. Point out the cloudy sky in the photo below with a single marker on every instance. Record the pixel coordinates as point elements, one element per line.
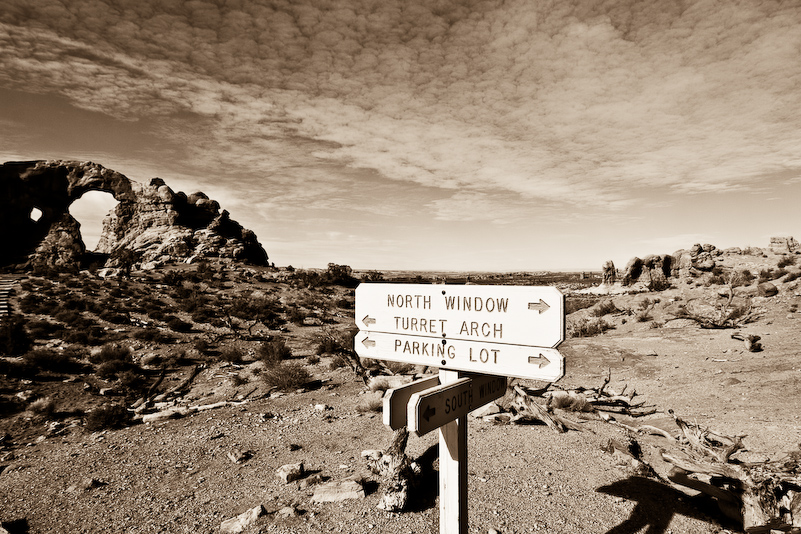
<point>425,134</point>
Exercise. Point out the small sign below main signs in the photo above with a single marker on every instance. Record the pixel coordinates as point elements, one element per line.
<point>435,407</point>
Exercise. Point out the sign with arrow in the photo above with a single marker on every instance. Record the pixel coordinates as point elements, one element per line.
<point>396,400</point>
<point>435,407</point>
<point>537,363</point>
<point>513,315</point>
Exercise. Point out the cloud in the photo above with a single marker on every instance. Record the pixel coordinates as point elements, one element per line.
<point>576,103</point>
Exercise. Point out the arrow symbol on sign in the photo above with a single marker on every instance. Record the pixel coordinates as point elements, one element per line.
<point>369,343</point>
<point>540,361</point>
<point>540,306</point>
<point>429,412</point>
<point>368,320</point>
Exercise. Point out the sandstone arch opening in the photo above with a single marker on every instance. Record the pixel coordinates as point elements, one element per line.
<point>90,210</point>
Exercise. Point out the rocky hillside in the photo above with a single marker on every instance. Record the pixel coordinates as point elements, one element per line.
<point>151,225</point>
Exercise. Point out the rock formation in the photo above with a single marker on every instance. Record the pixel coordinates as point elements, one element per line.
<point>609,272</point>
<point>784,244</point>
<point>150,222</point>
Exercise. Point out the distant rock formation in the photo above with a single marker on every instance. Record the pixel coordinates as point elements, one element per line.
<point>609,272</point>
<point>784,244</point>
<point>151,221</point>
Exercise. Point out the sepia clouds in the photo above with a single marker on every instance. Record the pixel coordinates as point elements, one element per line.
<point>580,104</point>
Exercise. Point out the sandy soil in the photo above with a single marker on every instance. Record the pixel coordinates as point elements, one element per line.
<point>175,476</point>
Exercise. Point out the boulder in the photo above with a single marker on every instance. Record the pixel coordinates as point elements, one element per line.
<point>767,289</point>
<point>337,491</point>
<point>290,472</point>
<point>151,223</point>
<point>237,524</point>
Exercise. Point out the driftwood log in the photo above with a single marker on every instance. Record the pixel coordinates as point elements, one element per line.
<point>764,497</point>
<point>398,471</point>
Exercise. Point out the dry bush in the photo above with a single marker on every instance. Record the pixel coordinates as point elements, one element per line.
<point>108,417</point>
<point>45,359</point>
<point>372,403</point>
<point>286,376</point>
<point>274,352</point>
<point>44,407</point>
<point>605,307</point>
<point>588,327</point>
<point>231,354</point>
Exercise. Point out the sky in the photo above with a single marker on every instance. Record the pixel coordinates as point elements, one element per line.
<point>425,134</point>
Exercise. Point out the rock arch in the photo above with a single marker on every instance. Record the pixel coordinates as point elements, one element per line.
<point>149,220</point>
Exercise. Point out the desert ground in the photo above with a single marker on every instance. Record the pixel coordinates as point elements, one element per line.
<point>277,388</point>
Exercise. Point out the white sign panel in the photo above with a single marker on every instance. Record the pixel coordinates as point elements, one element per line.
<point>396,399</point>
<point>537,363</point>
<point>514,315</point>
<point>432,408</point>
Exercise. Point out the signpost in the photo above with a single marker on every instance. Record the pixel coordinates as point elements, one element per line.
<point>496,331</point>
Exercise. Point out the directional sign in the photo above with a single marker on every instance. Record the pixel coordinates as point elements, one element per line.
<point>537,363</point>
<point>432,408</point>
<point>396,399</point>
<point>515,315</point>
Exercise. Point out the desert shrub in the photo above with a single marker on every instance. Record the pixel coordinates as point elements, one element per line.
<point>792,276</point>
<point>55,361</point>
<point>644,316</point>
<point>345,303</point>
<point>114,317</point>
<point>716,280</point>
<point>286,376</point>
<point>373,276</point>
<point>746,276</point>
<point>44,407</point>
<point>274,352</point>
<point>173,278</point>
<point>108,417</point>
<point>43,329</point>
<point>131,379</point>
<point>786,262</point>
<point>153,335</point>
<point>112,352</point>
<point>313,359</point>
<point>399,368</point>
<point>231,354</point>
<point>14,339</point>
<point>262,310</point>
<point>605,307</point>
<point>341,275</point>
<point>116,369</point>
<point>587,327</point>
<point>338,361</point>
<point>657,324</point>
<point>177,324</point>
<point>33,303</point>
<point>574,303</point>
<point>371,403</point>
<point>296,315</point>
<point>379,383</point>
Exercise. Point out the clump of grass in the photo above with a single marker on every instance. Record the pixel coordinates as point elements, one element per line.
<point>108,417</point>
<point>786,261</point>
<point>589,328</point>
<point>373,403</point>
<point>112,352</point>
<point>313,359</point>
<point>605,307</point>
<point>44,407</point>
<point>274,352</point>
<point>379,383</point>
<point>44,359</point>
<point>286,376</point>
<point>643,317</point>
<point>231,354</point>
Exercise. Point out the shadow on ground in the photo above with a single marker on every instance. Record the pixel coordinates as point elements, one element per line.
<point>657,503</point>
